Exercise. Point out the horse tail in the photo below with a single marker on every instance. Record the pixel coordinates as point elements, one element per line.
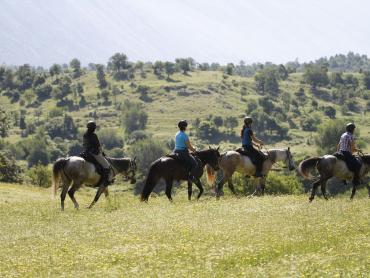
<point>151,180</point>
<point>57,168</point>
<point>307,165</point>
<point>211,175</point>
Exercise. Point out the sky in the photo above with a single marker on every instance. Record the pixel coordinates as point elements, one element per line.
<point>42,32</point>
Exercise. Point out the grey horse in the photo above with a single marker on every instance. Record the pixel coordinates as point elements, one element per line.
<point>330,166</point>
<point>75,171</point>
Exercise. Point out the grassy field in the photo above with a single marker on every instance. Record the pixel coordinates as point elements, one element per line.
<point>235,237</point>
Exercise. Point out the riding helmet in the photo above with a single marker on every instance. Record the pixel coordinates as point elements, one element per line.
<point>91,125</point>
<point>248,120</point>
<point>182,124</point>
<point>350,127</point>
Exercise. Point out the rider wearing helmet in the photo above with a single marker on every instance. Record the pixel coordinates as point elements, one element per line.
<point>92,146</point>
<point>182,147</point>
<point>248,140</point>
<point>347,146</point>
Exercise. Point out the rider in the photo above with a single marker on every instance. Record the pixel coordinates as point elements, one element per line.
<point>347,146</point>
<point>248,140</point>
<point>182,147</point>
<point>92,146</point>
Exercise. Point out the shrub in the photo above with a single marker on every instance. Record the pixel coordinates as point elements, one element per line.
<point>137,135</point>
<point>110,138</point>
<point>283,184</point>
<point>39,175</point>
<point>206,130</point>
<point>134,117</point>
<point>328,136</point>
<point>9,170</point>
<point>116,153</point>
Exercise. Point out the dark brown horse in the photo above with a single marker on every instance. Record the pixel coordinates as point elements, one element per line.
<point>171,169</point>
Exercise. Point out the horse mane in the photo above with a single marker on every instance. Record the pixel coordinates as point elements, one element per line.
<point>366,159</point>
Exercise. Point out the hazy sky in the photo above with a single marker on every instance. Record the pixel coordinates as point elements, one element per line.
<point>41,32</point>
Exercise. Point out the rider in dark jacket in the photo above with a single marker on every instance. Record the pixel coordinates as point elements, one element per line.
<point>248,140</point>
<point>347,146</point>
<point>92,146</point>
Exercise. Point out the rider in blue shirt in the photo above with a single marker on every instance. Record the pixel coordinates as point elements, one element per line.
<point>182,147</point>
<point>248,140</point>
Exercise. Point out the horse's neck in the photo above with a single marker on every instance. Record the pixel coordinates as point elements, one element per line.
<point>119,164</point>
<point>277,155</point>
<point>202,157</point>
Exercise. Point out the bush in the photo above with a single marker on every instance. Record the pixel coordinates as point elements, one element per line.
<point>283,184</point>
<point>146,151</point>
<point>206,130</point>
<point>39,175</point>
<point>137,135</point>
<point>39,154</point>
<point>134,117</point>
<point>9,170</point>
<point>110,138</point>
<point>328,136</point>
<point>116,153</point>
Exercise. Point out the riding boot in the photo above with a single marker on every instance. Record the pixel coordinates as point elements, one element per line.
<point>258,173</point>
<point>356,178</point>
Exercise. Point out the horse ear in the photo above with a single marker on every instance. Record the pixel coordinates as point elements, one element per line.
<point>288,148</point>
<point>218,148</point>
<point>209,147</point>
<point>134,158</point>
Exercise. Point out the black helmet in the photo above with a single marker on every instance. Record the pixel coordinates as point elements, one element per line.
<point>248,120</point>
<point>91,125</point>
<point>182,124</point>
<point>350,127</point>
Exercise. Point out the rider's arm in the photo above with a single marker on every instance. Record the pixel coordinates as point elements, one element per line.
<point>256,140</point>
<point>190,146</point>
<point>354,147</point>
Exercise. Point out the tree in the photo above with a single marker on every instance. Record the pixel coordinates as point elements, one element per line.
<point>43,92</point>
<point>4,122</point>
<point>267,105</point>
<point>218,121</point>
<point>229,70</point>
<point>336,78</point>
<point>25,76</point>
<point>39,175</point>
<point>110,138</point>
<point>169,68</point>
<point>315,75</point>
<point>231,122</point>
<point>55,70</point>
<point>330,112</point>
<point>283,73</point>
<point>134,117</point>
<point>75,64</point>
<point>206,130</point>
<point>158,68</point>
<point>10,171</point>
<point>63,127</point>
<point>39,154</point>
<point>115,92</point>
<point>120,66</point>
<point>184,65</point>
<point>366,79</point>
<point>100,75</point>
<point>251,106</point>
<point>328,136</point>
<point>267,81</point>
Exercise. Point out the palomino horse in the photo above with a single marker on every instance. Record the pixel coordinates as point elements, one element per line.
<point>171,169</point>
<point>75,171</point>
<point>330,166</point>
<point>233,161</point>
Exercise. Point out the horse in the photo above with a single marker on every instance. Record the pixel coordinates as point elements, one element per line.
<point>170,169</point>
<point>329,166</point>
<point>233,161</point>
<point>75,171</point>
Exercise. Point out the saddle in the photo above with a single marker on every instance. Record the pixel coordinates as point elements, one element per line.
<point>89,158</point>
<point>340,156</point>
<point>177,157</point>
<point>246,153</point>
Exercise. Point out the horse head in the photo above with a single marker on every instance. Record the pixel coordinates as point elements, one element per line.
<point>289,162</point>
<point>131,173</point>
<point>213,156</point>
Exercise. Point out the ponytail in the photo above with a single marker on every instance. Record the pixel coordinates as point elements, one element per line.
<point>242,131</point>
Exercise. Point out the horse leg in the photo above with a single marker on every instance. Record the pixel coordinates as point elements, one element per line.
<point>200,187</point>
<point>63,195</point>
<point>169,189</point>
<point>106,192</point>
<point>71,193</point>
<point>314,188</point>
<point>263,181</point>
<point>190,190</point>
<point>323,190</point>
<point>368,189</point>
<point>354,187</point>
<point>101,189</point>
<point>231,186</point>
